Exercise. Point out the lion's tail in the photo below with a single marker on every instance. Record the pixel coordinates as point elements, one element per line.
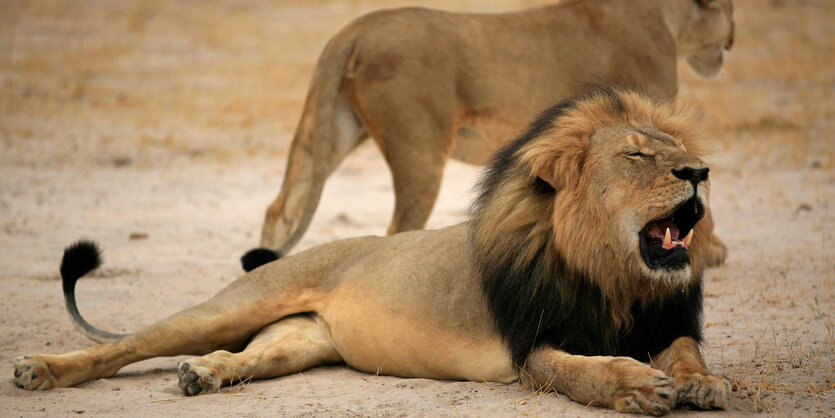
<point>79,259</point>
<point>328,131</point>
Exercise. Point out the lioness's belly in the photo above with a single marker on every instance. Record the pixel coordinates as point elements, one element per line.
<point>377,338</point>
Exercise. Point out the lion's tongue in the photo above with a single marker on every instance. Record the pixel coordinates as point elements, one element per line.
<point>658,229</point>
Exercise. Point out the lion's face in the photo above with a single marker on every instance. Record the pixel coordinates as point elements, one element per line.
<point>599,182</point>
<point>653,192</point>
<point>709,32</point>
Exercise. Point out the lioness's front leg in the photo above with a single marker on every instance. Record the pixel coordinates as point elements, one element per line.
<point>620,383</point>
<point>695,385</point>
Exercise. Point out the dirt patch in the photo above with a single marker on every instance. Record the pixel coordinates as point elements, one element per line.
<point>161,128</point>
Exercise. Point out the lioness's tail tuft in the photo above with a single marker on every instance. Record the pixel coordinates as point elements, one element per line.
<point>79,259</point>
<point>257,257</point>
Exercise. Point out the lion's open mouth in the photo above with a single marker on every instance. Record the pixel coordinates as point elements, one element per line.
<point>665,241</point>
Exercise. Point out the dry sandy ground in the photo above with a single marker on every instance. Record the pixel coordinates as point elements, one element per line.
<point>160,129</point>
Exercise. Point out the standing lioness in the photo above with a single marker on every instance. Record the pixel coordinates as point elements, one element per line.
<point>582,262</point>
<point>428,85</point>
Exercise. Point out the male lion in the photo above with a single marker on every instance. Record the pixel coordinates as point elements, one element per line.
<point>428,85</point>
<point>583,258</point>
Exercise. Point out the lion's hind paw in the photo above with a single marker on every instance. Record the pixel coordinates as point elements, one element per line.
<point>32,373</point>
<point>196,380</point>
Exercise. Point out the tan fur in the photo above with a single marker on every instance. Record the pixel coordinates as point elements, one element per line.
<point>429,85</point>
<point>412,305</point>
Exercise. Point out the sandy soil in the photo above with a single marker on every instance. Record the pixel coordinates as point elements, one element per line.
<point>160,129</point>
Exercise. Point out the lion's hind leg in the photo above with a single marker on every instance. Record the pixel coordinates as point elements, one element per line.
<point>227,321</point>
<point>287,346</point>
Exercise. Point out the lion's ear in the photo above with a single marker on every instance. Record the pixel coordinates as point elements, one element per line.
<point>558,162</point>
<point>547,174</point>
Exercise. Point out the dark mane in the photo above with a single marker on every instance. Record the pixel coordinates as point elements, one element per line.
<point>534,298</point>
<point>505,158</point>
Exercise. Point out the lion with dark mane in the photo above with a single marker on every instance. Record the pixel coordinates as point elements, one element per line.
<point>580,272</point>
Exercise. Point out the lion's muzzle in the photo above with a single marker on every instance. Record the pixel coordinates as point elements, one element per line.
<point>665,241</point>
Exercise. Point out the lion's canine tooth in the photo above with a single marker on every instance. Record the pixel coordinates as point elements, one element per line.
<point>687,239</point>
<point>668,240</point>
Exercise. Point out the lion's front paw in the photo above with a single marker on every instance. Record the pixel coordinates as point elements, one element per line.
<point>703,391</point>
<point>640,389</point>
<point>32,373</point>
<point>196,379</point>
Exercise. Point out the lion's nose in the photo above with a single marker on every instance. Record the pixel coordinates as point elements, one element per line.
<point>693,175</point>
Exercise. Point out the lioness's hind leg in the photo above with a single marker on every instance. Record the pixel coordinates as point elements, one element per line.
<point>287,346</point>
<point>416,187</point>
<point>316,151</point>
<point>417,164</point>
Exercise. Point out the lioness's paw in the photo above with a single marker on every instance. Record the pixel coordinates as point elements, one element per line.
<point>32,373</point>
<point>196,379</point>
<point>640,389</point>
<point>703,391</point>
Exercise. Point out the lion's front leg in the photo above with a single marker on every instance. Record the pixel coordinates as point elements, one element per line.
<point>620,383</point>
<point>695,385</point>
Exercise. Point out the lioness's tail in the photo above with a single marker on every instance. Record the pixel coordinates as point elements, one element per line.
<point>79,259</point>
<point>328,131</point>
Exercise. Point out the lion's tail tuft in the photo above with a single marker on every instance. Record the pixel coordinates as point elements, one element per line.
<point>257,257</point>
<point>79,259</point>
